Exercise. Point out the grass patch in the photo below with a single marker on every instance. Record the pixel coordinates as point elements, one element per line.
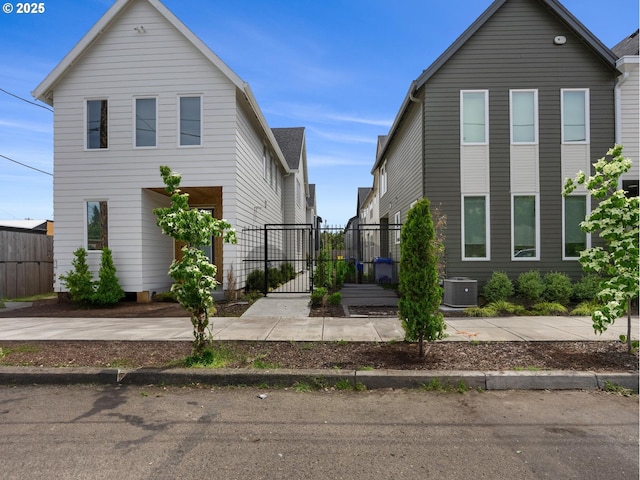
<point>33,298</point>
<point>215,356</point>
<point>435,385</point>
<point>120,363</point>
<point>618,389</point>
<point>529,368</point>
<point>26,348</point>
<point>261,364</point>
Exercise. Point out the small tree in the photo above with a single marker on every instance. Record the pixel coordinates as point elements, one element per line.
<point>616,218</point>
<point>108,291</point>
<point>193,274</point>
<point>420,292</point>
<point>79,281</point>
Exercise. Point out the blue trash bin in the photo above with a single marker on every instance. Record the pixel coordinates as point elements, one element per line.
<point>383,269</point>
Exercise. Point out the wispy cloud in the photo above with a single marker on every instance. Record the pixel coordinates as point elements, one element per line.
<point>358,119</point>
<point>342,160</point>
<point>319,114</point>
<point>32,127</point>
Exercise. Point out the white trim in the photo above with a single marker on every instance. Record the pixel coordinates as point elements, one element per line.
<point>587,212</point>
<point>587,114</point>
<point>486,117</point>
<point>383,178</point>
<point>85,205</point>
<point>189,95</point>
<point>397,221</point>
<point>135,121</point>
<point>86,100</point>
<point>535,116</point>
<point>537,221</point>
<point>487,227</point>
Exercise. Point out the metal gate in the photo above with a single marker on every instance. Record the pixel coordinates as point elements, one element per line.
<point>296,258</point>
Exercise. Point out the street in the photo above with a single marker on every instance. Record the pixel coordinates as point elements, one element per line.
<point>111,432</point>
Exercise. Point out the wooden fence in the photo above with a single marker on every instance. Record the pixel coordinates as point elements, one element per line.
<point>26,264</point>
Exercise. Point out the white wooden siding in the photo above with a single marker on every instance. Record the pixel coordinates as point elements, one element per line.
<point>474,169</point>
<point>524,168</point>
<point>575,158</point>
<point>120,65</point>
<point>630,118</point>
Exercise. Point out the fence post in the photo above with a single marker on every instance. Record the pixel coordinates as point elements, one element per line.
<point>265,289</point>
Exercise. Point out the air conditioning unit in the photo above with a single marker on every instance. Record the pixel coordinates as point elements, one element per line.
<point>460,292</point>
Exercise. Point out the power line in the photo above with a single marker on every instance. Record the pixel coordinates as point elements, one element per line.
<point>25,100</point>
<point>25,165</point>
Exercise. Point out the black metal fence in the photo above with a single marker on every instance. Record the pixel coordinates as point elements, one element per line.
<point>296,258</point>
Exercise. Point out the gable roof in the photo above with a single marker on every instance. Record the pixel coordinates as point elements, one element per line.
<point>629,46</point>
<point>45,90</point>
<point>291,142</point>
<point>556,9</point>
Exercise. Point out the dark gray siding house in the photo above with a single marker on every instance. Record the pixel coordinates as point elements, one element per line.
<point>523,99</point>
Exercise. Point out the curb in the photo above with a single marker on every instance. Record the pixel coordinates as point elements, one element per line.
<point>371,379</point>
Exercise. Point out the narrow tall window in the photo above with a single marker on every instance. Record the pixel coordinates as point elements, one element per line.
<point>525,227</point>
<point>383,178</point>
<point>575,240</point>
<point>475,227</point>
<point>97,220</point>
<point>474,117</point>
<point>575,116</point>
<point>190,121</point>
<point>397,227</point>
<point>97,124</point>
<point>146,122</point>
<point>524,116</point>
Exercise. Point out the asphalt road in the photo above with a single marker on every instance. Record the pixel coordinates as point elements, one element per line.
<point>98,432</point>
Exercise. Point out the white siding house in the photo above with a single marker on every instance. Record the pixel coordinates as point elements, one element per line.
<point>138,91</point>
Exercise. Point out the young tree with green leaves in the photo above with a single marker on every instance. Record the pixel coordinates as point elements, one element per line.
<point>79,281</point>
<point>616,218</point>
<point>420,291</point>
<point>194,276</point>
<point>108,291</point>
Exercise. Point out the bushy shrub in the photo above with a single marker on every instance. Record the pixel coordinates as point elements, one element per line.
<point>108,291</point>
<point>335,298</point>
<point>530,285</point>
<point>586,308</point>
<point>587,288</point>
<point>499,287</point>
<point>317,296</point>
<point>79,281</point>
<point>275,278</point>
<point>557,288</point>
<point>287,272</point>
<point>255,281</point>
<point>548,308</point>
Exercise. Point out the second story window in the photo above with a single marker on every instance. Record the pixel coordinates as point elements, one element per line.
<point>190,121</point>
<point>145,122</point>
<point>474,115</point>
<point>575,116</point>
<point>524,116</point>
<point>97,124</point>
<point>383,178</point>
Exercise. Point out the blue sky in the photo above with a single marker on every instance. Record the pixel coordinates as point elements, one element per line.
<point>340,68</point>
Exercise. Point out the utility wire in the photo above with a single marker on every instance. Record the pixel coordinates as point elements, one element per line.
<point>25,165</point>
<point>25,100</point>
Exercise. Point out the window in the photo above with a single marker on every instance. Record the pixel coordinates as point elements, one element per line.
<point>383,178</point>
<point>97,231</point>
<point>209,250</point>
<point>145,122</point>
<point>524,226</point>
<point>476,226</point>
<point>97,124</point>
<point>396,221</point>
<point>190,121</point>
<point>474,116</point>
<point>575,240</point>
<point>630,188</point>
<point>524,116</point>
<point>575,116</point>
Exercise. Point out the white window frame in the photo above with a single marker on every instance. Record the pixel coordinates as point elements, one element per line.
<point>537,225</point>
<point>192,95</point>
<point>85,204</point>
<point>383,178</point>
<point>564,232</point>
<point>135,122</point>
<point>487,227</point>
<point>486,117</point>
<point>587,113</point>
<point>396,221</point>
<point>535,116</point>
<point>86,120</point>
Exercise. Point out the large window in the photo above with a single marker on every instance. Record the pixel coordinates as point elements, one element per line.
<point>97,220</point>
<point>97,124</point>
<point>575,116</point>
<point>524,116</point>
<point>525,230</point>
<point>190,121</point>
<point>474,116</point>
<point>575,240</point>
<point>476,226</point>
<point>146,121</point>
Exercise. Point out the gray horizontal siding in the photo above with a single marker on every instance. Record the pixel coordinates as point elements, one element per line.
<point>513,50</point>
